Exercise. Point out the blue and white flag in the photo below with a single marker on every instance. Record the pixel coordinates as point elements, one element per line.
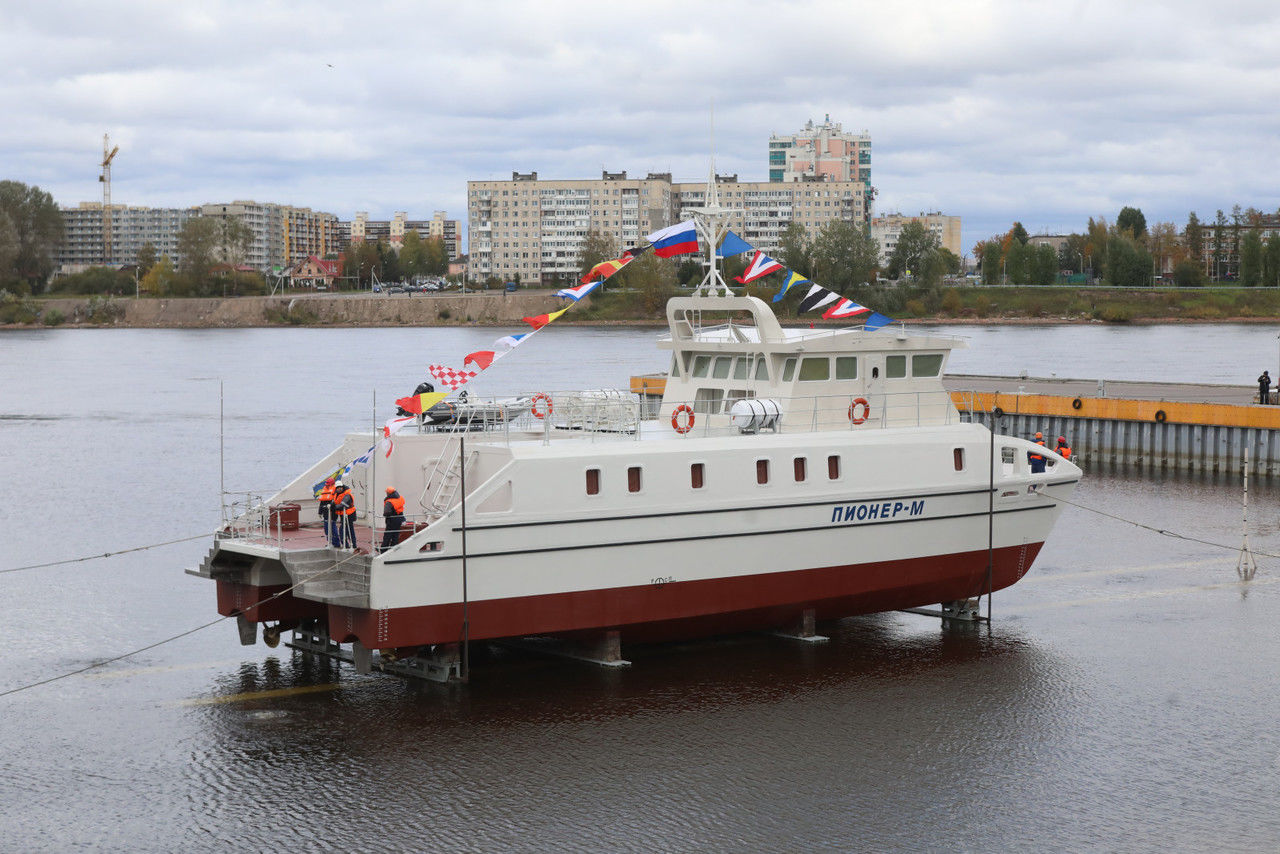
<point>580,291</point>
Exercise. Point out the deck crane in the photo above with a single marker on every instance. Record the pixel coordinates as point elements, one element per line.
<point>105,178</point>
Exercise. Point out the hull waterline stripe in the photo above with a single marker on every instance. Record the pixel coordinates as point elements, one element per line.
<point>771,532</point>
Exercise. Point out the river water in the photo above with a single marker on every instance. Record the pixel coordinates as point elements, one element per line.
<point>1123,699</point>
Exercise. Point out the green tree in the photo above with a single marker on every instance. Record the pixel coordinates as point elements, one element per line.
<point>1128,263</point>
<point>37,225</point>
<point>1043,266</point>
<point>413,255</point>
<point>653,277</point>
<point>689,271</point>
<point>1019,233</point>
<point>597,246</point>
<point>95,280</point>
<point>1220,242</point>
<point>796,249</point>
<point>991,259</point>
<point>198,243</point>
<point>146,258</point>
<point>1193,238</point>
<point>1271,262</point>
<point>1188,274</point>
<point>915,243</point>
<point>1095,247</point>
<point>388,269</point>
<point>436,257</point>
<point>8,247</point>
<point>1251,259</point>
<point>1132,222</point>
<point>1017,263</point>
<point>844,255</point>
<point>359,262</point>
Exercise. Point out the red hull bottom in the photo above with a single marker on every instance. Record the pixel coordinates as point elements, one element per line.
<point>666,611</point>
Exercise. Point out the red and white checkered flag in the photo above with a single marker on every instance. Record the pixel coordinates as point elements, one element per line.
<point>450,378</point>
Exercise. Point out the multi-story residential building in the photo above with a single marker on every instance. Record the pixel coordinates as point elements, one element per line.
<point>822,152</point>
<point>392,231</point>
<point>886,229</point>
<point>131,229</point>
<point>534,229</point>
<point>1220,255</point>
<point>282,235</point>
<point>761,211</point>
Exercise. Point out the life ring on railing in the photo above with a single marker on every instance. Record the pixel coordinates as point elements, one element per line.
<point>682,409</point>
<point>866,410</point>
<point>1077,403</point>
<point>1160,416</point>
<point>997,412</point>
<point>541,397</point>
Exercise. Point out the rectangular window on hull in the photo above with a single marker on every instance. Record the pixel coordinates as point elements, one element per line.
<point>800,469</point>
<point>958,458</point>
<point>697,474</point>
<point>762,471</point>
<point>833,467</point>
<point>633,479</point>
<point>593,481</point>
<point>846,367</point>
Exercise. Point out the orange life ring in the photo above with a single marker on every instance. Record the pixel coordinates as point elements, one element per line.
<point>683,408</point>
<point>866,410</point>
<point>540,397</point>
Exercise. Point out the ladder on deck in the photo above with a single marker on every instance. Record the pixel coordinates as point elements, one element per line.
<point>446,477</point>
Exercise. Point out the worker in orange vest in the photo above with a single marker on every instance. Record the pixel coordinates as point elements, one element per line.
<point>1063,449</point>
<point>393,513</point>
<point>344,508</point>
<point>1037,460</point>
<point>326,509</point>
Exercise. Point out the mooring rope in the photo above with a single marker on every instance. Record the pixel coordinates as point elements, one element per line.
<point>104,554</point>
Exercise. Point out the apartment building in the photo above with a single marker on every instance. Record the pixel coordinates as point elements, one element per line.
<point>1220,255</point>
<point>533,229</point>
<point>762,210</point>
<point>282,235</point>
<point>820,153</point>
<point>131,229</point>
<point>392,231</point>
<point>886,229</point>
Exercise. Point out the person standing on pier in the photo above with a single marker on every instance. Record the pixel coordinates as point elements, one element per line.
<point>393,513</point>
<point>1264,387</point>
<point>1037,460</point>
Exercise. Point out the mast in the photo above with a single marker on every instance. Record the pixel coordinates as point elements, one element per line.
<point>710,222</point>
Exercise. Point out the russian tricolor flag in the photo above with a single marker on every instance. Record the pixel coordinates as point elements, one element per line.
<point>678,239</point>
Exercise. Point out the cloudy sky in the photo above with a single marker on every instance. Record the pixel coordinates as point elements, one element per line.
<point>1047,113</point>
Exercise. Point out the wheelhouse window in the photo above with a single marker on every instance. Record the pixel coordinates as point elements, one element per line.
<point>708,400</point>
<point>762,369</point>
<point>799,465</point>
<point>742,367</point>
<point>814,369</point>
<point>833,467</point>
<point>927,365</point>
<point>593,481</point>
<point>701,364</point>
<point>720,370</point>
<point>762,471</point>
<point>697,475</point>
<point>846,367</point>
<point>788,370</point>
<point>895,367</point>
<point>633,479</point>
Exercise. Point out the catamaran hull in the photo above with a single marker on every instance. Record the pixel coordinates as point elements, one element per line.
<point>677,609</point>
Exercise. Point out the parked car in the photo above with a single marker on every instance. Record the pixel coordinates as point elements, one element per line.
<point>395,289</point>
<point>512,287</point>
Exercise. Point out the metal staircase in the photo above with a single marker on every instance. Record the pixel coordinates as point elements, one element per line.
<point>326,575</point>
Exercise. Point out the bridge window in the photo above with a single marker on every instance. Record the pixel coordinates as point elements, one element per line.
<point>788,370</point>
<point>762,369</point>
<point>697,475</point>
<point>927,365</point>
<point>633,479</point>
<point>895,367</point>
<point>762,471</point>
<point>675,366</point>
<point>799,464</point>
<point>721,369</point>
<point>708,400</point>
<point>815,369</point>
<point>593,481</point>
<point>846,367</point>
<point>701,364</point>
<point>741,367</point>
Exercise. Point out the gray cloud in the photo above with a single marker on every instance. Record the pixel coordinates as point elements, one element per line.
<point>1047,113</point>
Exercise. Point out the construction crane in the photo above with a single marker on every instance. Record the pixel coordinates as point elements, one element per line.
<point>105,178</point>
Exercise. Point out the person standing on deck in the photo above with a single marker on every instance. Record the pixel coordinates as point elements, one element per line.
<point>326,509</point>
<point>1264,387</point>
<point>344,509</point>
<point>1063,449</point>
<point>393,513</point>
<point>1037,460</point>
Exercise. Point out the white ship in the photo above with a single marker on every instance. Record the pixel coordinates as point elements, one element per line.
<point>788,476</point>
